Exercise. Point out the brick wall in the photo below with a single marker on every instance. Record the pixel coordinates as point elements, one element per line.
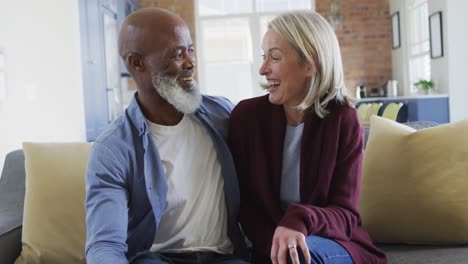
<point>364,36</point>
<point>365,40</point>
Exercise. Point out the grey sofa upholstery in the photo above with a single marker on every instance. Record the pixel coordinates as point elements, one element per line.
<point>411,254</point>
<point>11,206</point>
<point>11,215</point>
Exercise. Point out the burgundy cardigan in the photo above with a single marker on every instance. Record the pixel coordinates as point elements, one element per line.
<point>330,173</point>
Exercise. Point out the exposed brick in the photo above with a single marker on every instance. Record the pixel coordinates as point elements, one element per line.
<point>364,40</point>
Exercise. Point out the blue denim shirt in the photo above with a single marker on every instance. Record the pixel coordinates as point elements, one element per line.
<point>126,186</point>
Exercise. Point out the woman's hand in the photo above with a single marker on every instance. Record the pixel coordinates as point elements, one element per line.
<point>288,241</point>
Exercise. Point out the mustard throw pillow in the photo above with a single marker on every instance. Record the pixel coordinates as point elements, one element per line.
<point>54,216</point>
<point>415,183</point>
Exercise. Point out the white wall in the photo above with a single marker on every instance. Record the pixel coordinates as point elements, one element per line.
<point>44,100</point>
<point>399,65</point>
<point>439,66</point>
<point>457,22</point>
<point>448,72</point>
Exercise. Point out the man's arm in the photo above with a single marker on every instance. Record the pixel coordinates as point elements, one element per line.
<point>106,207</point>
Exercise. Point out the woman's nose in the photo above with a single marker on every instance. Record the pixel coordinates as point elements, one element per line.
<point>264,68</point>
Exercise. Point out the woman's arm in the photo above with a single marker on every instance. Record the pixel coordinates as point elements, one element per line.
<point>338,217</point>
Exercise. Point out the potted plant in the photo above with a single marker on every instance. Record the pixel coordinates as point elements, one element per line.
<point>425,85</point>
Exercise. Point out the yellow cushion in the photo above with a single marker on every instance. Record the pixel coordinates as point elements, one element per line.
<point>415,183</point>
<point>54,216</point>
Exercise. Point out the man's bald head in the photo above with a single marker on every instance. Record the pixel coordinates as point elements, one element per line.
<point>158,51</point>
<point>143,26</point>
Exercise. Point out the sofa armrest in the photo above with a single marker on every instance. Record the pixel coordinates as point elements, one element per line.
<point>12,191</point>
<point>10,245</point>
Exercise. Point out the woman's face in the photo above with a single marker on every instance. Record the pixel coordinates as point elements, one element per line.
<point>286,74</point>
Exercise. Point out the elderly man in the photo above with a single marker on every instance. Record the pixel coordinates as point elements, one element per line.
<point>161,185</point>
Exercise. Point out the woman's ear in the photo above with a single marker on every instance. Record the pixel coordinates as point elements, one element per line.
<point>314,67</point>
<point>135,62</point>
<point>310,70</point>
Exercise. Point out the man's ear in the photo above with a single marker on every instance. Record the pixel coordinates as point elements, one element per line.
<point>135,62</point>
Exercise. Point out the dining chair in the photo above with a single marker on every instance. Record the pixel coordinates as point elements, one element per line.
<point>391,110</point>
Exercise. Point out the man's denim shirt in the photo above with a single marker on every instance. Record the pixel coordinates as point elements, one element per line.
<point>126,186</point>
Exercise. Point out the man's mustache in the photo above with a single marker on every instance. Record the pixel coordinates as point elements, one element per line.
<point>182,74</point>
<point>186,73</point>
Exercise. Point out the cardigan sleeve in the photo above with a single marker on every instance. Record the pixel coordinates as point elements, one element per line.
<point>338,216</point>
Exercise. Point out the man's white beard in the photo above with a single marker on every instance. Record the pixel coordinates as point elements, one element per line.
<point>184,101</point>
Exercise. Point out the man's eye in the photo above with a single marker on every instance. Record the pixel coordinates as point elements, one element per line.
<point>263,57</point>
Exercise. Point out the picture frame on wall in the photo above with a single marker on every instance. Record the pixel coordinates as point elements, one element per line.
<point>435,35</point>
<point>395,18</point>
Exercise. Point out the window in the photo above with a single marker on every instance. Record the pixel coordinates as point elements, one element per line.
<point>229,34</point>
<point>418,37</point>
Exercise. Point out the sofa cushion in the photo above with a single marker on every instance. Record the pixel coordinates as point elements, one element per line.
<point>54,216</point>
<point>414,183</point>
<point>415,124</point>
<point>427,254</point>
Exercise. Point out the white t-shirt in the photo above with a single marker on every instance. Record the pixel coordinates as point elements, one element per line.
<point>290,175</point>
<point>195,217</point>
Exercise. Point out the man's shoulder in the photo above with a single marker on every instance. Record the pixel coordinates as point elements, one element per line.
<point>116,148</point>
<point>216,103</point>
<point>114,129</point>
<point>216,107</point>
<point>117,135</point>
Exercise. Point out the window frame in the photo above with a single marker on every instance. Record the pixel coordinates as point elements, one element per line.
<point>254,20</point>
<point>410,56</point>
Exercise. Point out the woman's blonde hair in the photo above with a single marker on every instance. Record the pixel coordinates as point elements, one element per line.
<point>315,41</point>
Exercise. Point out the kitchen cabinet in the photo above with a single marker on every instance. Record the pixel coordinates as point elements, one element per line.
<point>419,108</point>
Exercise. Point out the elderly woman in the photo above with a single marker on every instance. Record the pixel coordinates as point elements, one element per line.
<point>298,151</point>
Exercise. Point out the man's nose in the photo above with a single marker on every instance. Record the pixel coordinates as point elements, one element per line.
<point>189,62</point>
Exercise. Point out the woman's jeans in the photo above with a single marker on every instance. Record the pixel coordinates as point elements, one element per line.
<point>324,251</point>
<point>187,258</point>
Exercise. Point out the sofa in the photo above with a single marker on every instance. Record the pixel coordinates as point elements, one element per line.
<point>12,197</point>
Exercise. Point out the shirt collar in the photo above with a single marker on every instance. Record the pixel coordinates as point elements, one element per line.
<point>138,119</point>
